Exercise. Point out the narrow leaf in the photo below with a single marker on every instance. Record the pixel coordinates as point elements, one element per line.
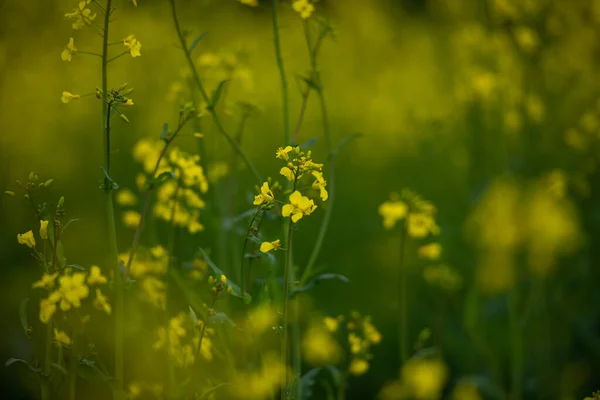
<point>308,144</point>
<point>235,289</point>
<point>196,41</point>
<point>344,142</point>
<point>165,131</point>
<point>316,280</point>
<point>23,316</point>
<point>217,94</point>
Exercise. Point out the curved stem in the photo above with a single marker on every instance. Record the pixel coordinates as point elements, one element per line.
<point>204,94</point>
<point>282,75</point>
<point>250,232</point>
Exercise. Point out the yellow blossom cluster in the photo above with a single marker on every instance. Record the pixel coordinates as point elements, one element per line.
<point>262,383</point>
<point>82,15</point>
<point>72,289</point>
<point>181,341</point>
<point>148,267</point>
<point>418,214</point>
<point>420,378</point>
<point>303,7</point>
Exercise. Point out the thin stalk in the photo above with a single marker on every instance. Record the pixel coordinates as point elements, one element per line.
<point>516,341</point>
<point>286,293</point>
<point>112,233</point>
<point>250,232</point>
<point>72,373</point>
<point>211,108</point>
<point>341,392</point>
<point>147,196</point>
<point>331,189</point>
<point>282,75</point>
<point>402,299</point>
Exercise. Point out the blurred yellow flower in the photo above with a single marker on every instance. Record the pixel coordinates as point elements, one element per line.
<point>265,195</point>
<point>430,251</point>
<point>71,291</point>
<point>125,197</point>
<point>68,97</point>
<point>47,281</point>
<point>265,247</point>
<point>304,8</point>
<point>331,324</point>
<point>101,302</point>
<point>135,391</point>
<point>392,212</point>
<point>82,15</point>
<point>44,229</point>
<point>526,38</point>
<point>420,225</point>
<point>262,318</point>
<point>283,153</point>
<point>319,347</point>
<point>358,366</point>
<point>425,378</point>
<point>68,51</point>
<point>251,3</point>
<point>466,391</point>
<point>299,206</point>
<point>47,310</point>
<point>95,277</point>
<point>131,219</point>
<point>133,45</point>
<point>62,338</point>
<point>27,239</point>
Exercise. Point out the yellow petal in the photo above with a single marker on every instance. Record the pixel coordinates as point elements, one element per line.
<point>266,247</point>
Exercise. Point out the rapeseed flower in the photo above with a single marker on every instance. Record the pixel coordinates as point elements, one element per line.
<point>265,195</point>
<point>27,239</point>
<point>133,46</point>
<point>265,247</point>
<point>69,50</point>
<point>298,207</point>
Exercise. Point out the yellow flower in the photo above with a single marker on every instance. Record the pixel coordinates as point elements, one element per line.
<point>430,251</point>
<point>44,229</point>
<point>287,173</point>
<point>95,277</point>
<point>304,8</point>
<point>101,302</point>
<point>47,281</point>
<point>72,290</point>
<point>68,97</point>
<point>251,3</point>
<point>299,206</point>
<point>125,197</point>
<point>421,225</point>
<point>131,219</point>
<point>135,391</point>
<point>319,347</point>
<point>68,51</point>
<point>371,333</point>
<point>392,212</point>
<point>26,238</point>
<point>425,378</point>
<point>62,338</point>
<point>133,45</point>
<point>127,103</point>
<point>265,247</point>
<point>265,195</point>
<point>47,310</point>
<point>81,14</point>
<point>331,324</point>
<point>320,184</point>
<point>154,291</point>
<point>358,366</point>
<point>223,279</point>
<point>134,2</point>
<point>282,153</point>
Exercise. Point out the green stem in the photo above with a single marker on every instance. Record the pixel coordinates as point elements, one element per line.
<point>286,293</point>
<point>341,393</point>
<point>72,373</point>
<point>248,233</point>
<point>330,201</point>
<point>516,341</point>
<point>282,76</point>
<point>403,299</point>
<point>112,233</point>
<point>211,108</point>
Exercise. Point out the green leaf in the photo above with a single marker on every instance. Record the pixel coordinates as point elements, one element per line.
<point>344,142</point>
<point>310,83</point>
<point>23,316</point>
<point>88,370</point>
<point>11,361</point>
<point>235,289</point>
<point>308,381</point>
<point>193,315</point>
<point>196,41</point>
<point>217,94</point>
<point>316,280</point>
<point>308,144</point>
<point>162,177</point>
<point>222,319</point>
<point>165,131</point>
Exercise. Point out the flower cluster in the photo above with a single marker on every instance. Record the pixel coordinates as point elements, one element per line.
<point>81,15</point>
<point>72,289</point>
<point>181,339</point>
<point>178,199</point>
<point>361,335</point>
<point>147,268</point>
<point>303,7</point>
<point>418,214</point>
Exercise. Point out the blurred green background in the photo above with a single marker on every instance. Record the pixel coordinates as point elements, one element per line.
<point>451,97</point>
